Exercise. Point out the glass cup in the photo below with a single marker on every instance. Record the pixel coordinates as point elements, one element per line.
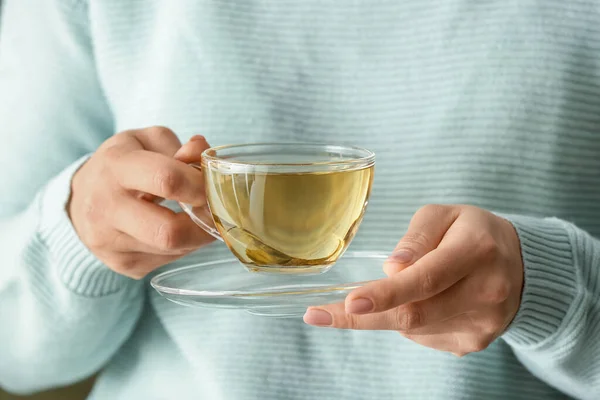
<point>284,208</point>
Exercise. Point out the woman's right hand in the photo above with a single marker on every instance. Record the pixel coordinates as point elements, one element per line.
<point>113,207</point>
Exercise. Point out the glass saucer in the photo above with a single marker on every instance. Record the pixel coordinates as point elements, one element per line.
<point>227,284</point>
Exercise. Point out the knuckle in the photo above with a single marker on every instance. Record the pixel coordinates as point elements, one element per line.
<point>160,131</point>
<point>487,247</point>
<point>495,324</point>
<point>169,236</point>
<point>416,238</point>
<point>345,321</point>
<point>168,182</point>
<point>429,284</point>
<point>385,297</point>
<point>432,210</point>
<point>409,318</point>
<point>126,264</point>
<point>351,321</point>
<point>474,345</point>
<point>91,210</point>
<point>93,239</point>
<point>415,242</point>
<point>428,209</point>
<point>496,291</point>
<point>111,153</point>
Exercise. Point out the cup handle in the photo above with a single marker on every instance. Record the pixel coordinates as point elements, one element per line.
<point>202,216</point>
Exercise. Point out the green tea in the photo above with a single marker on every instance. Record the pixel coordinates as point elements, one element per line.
<point>288,222</point>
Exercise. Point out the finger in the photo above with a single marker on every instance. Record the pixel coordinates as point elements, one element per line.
<point>451,303</point>
<point>468,294</point>
<point>335,316</point>
<point>425,231</point>
<point>136,265</point>
<point>429,276</point>
<point>465,296</point>
<point>159,175</point>
<point>456,335</point>
<point>157,226</point>
<point>155,139</point>
<point>125,243</point>
<point>191,152</point>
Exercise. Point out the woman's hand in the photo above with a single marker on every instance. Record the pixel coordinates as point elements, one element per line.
<point>114,194</point>
<point>454,283</point>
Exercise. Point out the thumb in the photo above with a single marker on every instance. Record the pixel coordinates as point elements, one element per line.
<point>425,232</point>
<point>191,152</point>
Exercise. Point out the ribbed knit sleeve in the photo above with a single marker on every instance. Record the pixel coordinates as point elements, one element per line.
<point>555,333</point>
<point>63,314</point>
<point>77,267</point>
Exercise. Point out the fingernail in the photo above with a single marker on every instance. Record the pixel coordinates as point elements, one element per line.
<point>359,306</point>
<point>401,256</point>
<point>318,318</point>
<point>197,138</point>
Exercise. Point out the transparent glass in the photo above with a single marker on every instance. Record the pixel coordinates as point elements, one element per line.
<point>285,208</point>
<point>223,284</point>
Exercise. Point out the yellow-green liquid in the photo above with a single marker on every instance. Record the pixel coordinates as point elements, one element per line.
<point>288,222</point>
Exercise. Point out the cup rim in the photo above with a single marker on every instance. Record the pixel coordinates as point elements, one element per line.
<point>360,162</point>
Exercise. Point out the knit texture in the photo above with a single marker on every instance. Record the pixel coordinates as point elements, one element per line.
<point>494,104</point>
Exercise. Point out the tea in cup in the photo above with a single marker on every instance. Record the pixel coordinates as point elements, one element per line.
<point>285,208</point>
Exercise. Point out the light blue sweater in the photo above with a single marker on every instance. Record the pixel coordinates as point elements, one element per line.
<point>491,103</point>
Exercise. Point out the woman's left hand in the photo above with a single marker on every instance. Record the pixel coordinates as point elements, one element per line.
<point>454,283</point>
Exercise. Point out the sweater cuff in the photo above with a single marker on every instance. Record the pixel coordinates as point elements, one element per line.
<point>76,266</point>
<point>550,281</point>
